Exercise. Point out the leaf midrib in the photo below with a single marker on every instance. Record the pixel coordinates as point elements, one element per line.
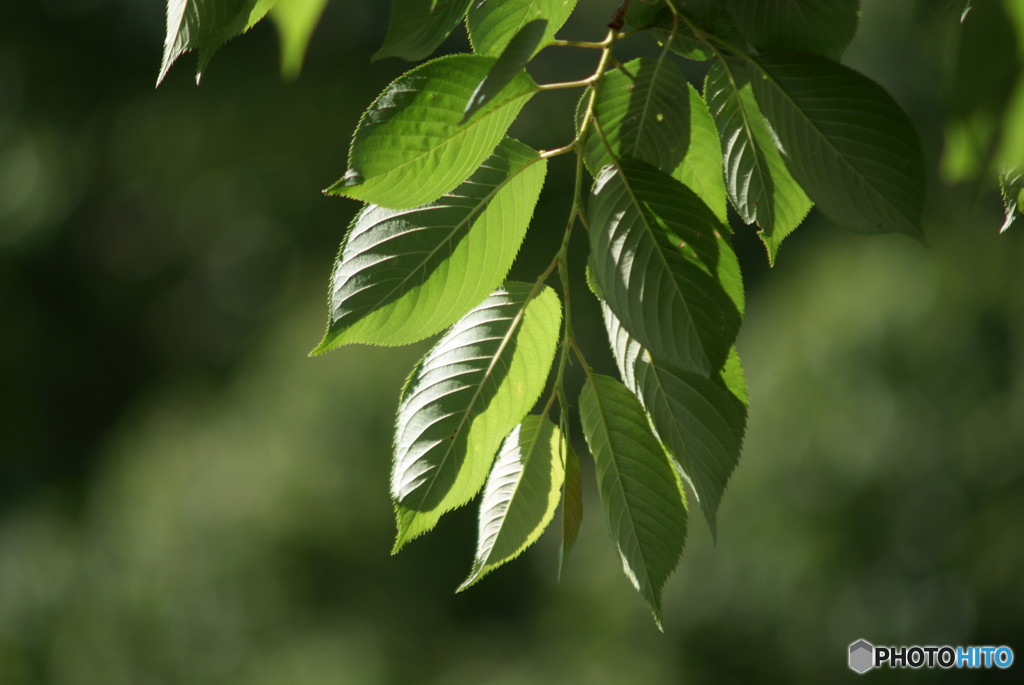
<point>527,457</point>
<point>618,479</point>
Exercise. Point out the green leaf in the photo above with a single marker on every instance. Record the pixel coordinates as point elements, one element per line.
<point>653,243</point>
<point>410,148</point>
<point>758,183</point>
<point>418,27</point>
<point>701,168</point>
<point>1011,187</point>
<point>845,140</point>
<point>404,275</point>
<point>470,390</point>
<point>706,16</point>
<point>698,420</point>
<point>295,21</point>
<point>644,112</point>
<point>521,494</point>
<point>510,63</point>
<point>205,25</point>
<point>734,378</point>
<point>493,23</point>
<point>572,506</point>
<point>825,27</point>
<point>640,492</point>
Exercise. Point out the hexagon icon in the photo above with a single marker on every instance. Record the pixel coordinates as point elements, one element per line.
<point>862,656</point>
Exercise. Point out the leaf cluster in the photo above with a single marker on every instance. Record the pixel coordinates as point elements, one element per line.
<point>778,125</point>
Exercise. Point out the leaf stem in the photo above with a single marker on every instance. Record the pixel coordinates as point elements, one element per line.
<point>565,149</point>
<point>556,42</point>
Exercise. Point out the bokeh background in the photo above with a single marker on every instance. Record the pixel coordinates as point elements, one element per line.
<point>185,497</point>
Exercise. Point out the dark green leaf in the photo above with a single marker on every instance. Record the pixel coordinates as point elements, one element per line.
<point>204,25</point>
<point>822,26</point>
<point>473,387</point>
<point>509,65</point>
<point>845,140</point>
<point>640,492</point>
<point>493,23</point>
<point>644,111</point>
<point>295,21</point>
<point>520,496</point>
<point>704,16</point>
<point>418,27</point>
<point>410,148</point>
<point>699,421</point>
<point>403,275</point>
<point>572,506</point>
<point>759,185</point>
<point>701,168</point>
<point>654,252</point>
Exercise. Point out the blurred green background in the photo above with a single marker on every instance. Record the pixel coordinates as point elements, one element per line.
<point>186,498</point>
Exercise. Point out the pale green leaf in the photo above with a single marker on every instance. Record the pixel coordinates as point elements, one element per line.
<point>845,140</point>
<point>698,420</point>
<point>655,253</point>
<point>410,148</point>
<point>640,492</point>
<point>470,390</point>
<point>825,27</point>
<point>572,506</point>
<point>404,275</point>
<point>643,110</point>
<point>1011,187</point>
<point>493,23</point>
<point>510,63</point>
<point>295,21</point>
<point>761,188</point>
<point>701,168</point>
<point>521,494</point>
<point>205,25</point>
<point>418,27</point>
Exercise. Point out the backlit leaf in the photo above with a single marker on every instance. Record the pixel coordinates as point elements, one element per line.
<point>701,168</point>
<point>521,494</point>
<point>205,25</point>
<point>640,492</point>
<point>404,275</point>
<point>470,390</point>
<point>410,147</point>
<point>295,21</point>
